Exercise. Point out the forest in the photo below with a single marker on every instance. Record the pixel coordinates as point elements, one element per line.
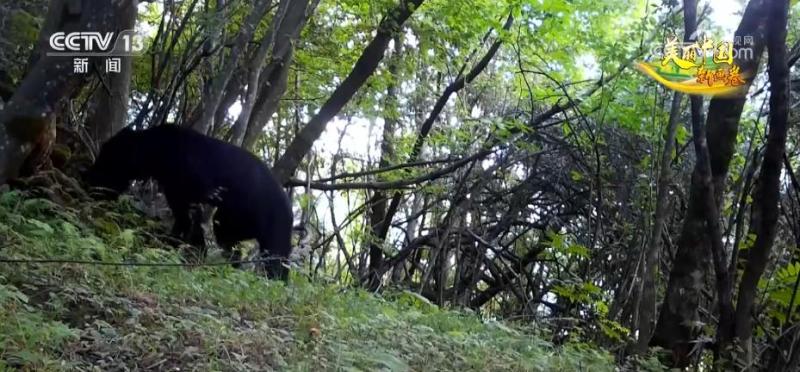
<point>527,185</point>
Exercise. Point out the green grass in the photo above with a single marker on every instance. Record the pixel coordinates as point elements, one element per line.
<point>79,317</point>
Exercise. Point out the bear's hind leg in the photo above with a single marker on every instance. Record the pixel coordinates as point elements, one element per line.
<point>187,227</point>
<point>226,238</point>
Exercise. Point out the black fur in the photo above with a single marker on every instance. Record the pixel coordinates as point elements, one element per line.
<point>194,168</point>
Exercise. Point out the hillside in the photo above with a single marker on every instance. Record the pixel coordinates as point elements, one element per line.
<point>68,316</point>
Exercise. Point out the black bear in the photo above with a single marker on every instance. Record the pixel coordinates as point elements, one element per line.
<point>193,168</point>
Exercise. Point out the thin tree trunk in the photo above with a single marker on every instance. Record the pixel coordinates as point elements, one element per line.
<point>269,98</point>
<point>254,73</point>
<point>647,305</point>
<point>365,66</point>
<point>289,20</point>
<point>220,81</point>
<point>233,90</point>
<point>460,82</point>
<point>379,200</point>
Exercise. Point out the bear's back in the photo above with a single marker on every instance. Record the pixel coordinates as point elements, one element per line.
<point>186,157</point>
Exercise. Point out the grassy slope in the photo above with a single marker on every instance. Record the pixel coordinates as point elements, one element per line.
<point>68,317</point>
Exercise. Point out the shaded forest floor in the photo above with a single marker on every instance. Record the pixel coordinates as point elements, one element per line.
<point>82,317</point>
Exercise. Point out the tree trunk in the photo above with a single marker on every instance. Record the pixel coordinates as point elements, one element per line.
<point>767,192</point>
<point>232,92</point>
<point>269,83</point>
<point>708,198</point>
<point>24,119</point>
<point>679,311</point>
<point>111,100</point>
<point>365,66</point>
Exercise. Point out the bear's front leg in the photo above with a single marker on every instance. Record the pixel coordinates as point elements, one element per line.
<point>187,228</point>
<point>182,226</point>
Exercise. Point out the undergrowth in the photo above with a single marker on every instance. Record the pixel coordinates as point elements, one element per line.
<point>82,317</point>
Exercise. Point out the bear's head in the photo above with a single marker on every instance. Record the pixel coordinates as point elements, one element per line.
<point>117,164</point>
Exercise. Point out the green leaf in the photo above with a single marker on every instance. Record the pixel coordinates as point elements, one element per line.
<point>578,250</point>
